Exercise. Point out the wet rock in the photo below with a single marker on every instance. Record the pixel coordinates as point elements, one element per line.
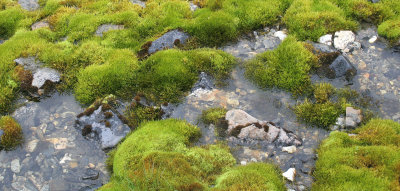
<point>341,66</point>
<point>289,149</point>
<point>29,5</point>
<point>352,46</point>
<point>281,35</point>
<point>90,174</point>
<point>138,2</point>
<point>15,165</point>
<point>290,174</point>
<point>342,39</point>
<point>374,1</point>
<point>245,126</point>
<point>40,24</point>
<point>193,7</point>
<point>1,134</point>
<point>31,145</point>
<point>326,39</point>
<point>339,124</point>
<point>373,39</point>
<point>205,82</point>
<point>168,40</point>
<point>45,74</point>
<point>353,117</point>
<point>107,27</point>
<point>29,63</point>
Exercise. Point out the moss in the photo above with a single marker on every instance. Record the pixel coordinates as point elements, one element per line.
<point>323,92</point>
<point>366,161</point>
<point>390,29</point>
<point>9,21</point>
<point>255,176</point>
<point>309,19</point>
<point>12,136</point>
<point>137,114</point>
<point>213,115</point>
<point>287,67</point>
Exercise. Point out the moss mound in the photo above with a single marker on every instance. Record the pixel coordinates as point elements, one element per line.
<point>213,115</point>
<point>287,67</point>
<point>12,133</point>
<point>255,176</point>
<point>157,156</point>
<point>366,161</point>
<point>390,29</point>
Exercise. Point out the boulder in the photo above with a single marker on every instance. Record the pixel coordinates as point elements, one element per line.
<point>40,24</point>
<point>138,2</point>
<point>353,117</point>
<point>29,5</point>
<point>342,39</point>
<point>244,126</point>
<point>45,74</point>
<point>107,27</point>
<point>168,40</point>
<point>326,39</point>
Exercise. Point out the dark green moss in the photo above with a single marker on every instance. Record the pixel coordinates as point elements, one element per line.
<point>287,67</point>
<point>366,161</point>
<point>323,92</point>
<point>12,136</point>
<point>213,115</point>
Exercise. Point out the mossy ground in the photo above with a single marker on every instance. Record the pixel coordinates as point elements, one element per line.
<point>213,115</point>
<point>370,160</point>
<point>12,133</point>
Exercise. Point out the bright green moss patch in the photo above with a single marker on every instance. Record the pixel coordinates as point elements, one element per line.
<point>12,133</point>
<point>255,176</point>
<point>323,91</point>
<point>390,29</point>
<point>309,19</point>
<point>212,115</point>
<point>287,67</point>
<point>369,160</point>
<point>157,157</point>
<point>8,22</point>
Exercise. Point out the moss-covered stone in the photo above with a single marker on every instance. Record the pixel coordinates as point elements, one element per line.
<point>366,161</point>
<point>12,133</point>
<point>287,67</point>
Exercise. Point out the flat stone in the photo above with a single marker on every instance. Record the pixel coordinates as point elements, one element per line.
<point>168,40</point>
<point>326,39</point>
<point>29,5</point>
<point>31,145</point>
<point>40,24</point>
<point>15,165</point>
<point>343,38</point>
<point>289,149</point>
<point>290,174</point>
<point>237,117</point>
<point>107,27</point>
<point>45,74</point>
<point>29,63</point>
<point>59,143</point>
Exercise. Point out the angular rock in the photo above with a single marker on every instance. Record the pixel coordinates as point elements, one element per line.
<point>15,166</point>
<point>289,149</point>
<point>290,174</point>
<point>281,35</point>
<point>40,24</point>
<point>353,117</point>
<point>45,74</point>
<point>107,27</point>
<point>168,40</point>
<point>245,126</point>
<point>31,146</point>
<point>29,5</point>
<point>326,39</point>
<point>90,174</point>
<point>343,38</point>
<point>341,66</point>
<point>352,46</point>
<point>138,2</point>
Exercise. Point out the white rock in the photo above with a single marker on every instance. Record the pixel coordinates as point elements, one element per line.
<point>281,35</point>
<point>31,146</point>
<point>44,74</point>
<point>67,157</point>
<point>326,39</point>
<point>243,162</point>
<point>15,166</point>
<point>343,38</point>
<point>289,149</point>
<point>373,39</point>
<point>290,174</point>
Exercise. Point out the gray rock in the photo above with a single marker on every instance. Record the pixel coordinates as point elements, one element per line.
<point>138,2</point>
<point>107,27</point>
<point>29,5</point>
<point>352,46</point>
<point>15,165</point>
<point>1,134</point>
<point>168,40</point>
<point>353,117</point>
<point>204,82</point>
<point>341,66</point>
<point>253,132</point>
<point>40,24</point>
<point>29,63</point>
<point>90,174</point>
<point>374,1</point>
<point>343,38</point>
<point>193,7</point>
<point>45,74</point>
<point>237,117</point>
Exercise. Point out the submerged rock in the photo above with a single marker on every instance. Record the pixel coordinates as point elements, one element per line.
<point>29,5</point>
<point>107,27</point>
<point>244,126</point>
<point>168,40</point>
<point>343,38</point>
<point>138,2</point>
<point>40,24</point>
<point>341,66</point>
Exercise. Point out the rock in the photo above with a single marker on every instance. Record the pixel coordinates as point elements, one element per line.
<point>29,5</point>
<point>58,143</point>
<point>353,117</point>
<point>243,162</point>
<point>1,134</point>
<point>326,39</point>
<point>45,74</point>
<point>253,132</point>
<point>339,124</point>
<point>90,174</point>
<point>138,2</point>
<point>342,39</point>
<point>352,46</point>
<point>40,24</point>
<point>168,40</point>
<point>341,66</point>
<point>237,117</point>
<point>31,146</point>
<point>91,165</point>
<point>29,63</point>
<point>204,82</point>
<point>15,166</point>
<point>374,1</point>
<point>281,35</point>
<point>290,174</point>
<point>193,7</point>
<point>107,27</point>
<point>373,39</point>
<point>289,149</point>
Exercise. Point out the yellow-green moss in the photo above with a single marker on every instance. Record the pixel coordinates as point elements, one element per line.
<point>12,133</point>
<point>212,115</point>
